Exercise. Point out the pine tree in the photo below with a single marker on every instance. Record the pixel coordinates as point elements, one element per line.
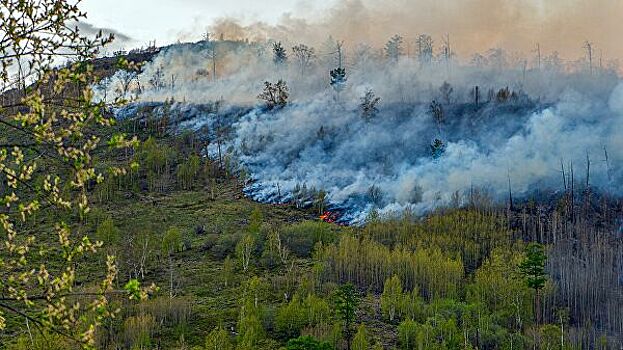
<point>533,269</point>
<point>393,48</point>
<point>346,301</point>
<point>280,56</point>
<point>368,106</point>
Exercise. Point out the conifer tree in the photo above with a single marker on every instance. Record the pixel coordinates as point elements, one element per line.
<point>346,301</point>
<point>533,269</point>
<point>393,48</point>
<point>280,56</point>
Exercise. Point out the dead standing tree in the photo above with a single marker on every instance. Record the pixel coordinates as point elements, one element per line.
<point>211,54</point>
<point>304,55</point>
<point>589,55</point>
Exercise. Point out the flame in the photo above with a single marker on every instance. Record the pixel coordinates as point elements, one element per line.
<point>329,217</point>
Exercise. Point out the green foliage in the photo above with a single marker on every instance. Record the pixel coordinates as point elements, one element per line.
<point>255,221</point>
<point>294,316</point>
<point>533,267</point>
<point>499,287</point>
<point>244,250</point>
<point>156,161</point>
<point>52,127</point>
<point>346,302</point>
<point>133,288</point>
<point>408,335</point>
<point>300,238</point>
<point>250,330</point>
<point>41,341</point>
<point>360,341</point>
<point>228,271</point>
<point>391,298</point>
<point>291,318</point>
<point>171,241</point>
<point>108,233</point>
<point>307,343</point>
<point>218,339</point>
<point>188,171</point>
<point>369,264</point>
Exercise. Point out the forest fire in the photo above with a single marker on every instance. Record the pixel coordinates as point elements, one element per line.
<point>330,217</point>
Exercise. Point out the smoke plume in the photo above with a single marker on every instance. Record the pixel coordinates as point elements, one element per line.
<point>500,122</point>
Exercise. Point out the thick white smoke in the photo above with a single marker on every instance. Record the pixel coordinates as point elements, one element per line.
<point>321,141</point>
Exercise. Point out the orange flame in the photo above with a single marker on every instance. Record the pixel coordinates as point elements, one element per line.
<point>329,217</point>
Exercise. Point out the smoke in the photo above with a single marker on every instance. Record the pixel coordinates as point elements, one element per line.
<point>524,126</point>
<point>486,148</point>
<point>120,42</point>
<point>473,26</point>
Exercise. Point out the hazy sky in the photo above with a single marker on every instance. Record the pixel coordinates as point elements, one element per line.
<point>474,25</point>
<point>170,20</point>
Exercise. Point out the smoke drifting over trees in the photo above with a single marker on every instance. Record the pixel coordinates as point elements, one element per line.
<point>474,25</point>
<point>460,107</point>
<point>496,119</point>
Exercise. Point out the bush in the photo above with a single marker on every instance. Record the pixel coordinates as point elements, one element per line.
<point>307,343</point>
<point>225,245</point>
<point>301,238</point>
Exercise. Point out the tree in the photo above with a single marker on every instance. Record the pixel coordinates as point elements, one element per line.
<point>255,221</point>
<point>338,78</point>
<point>437,148</point>
<point>407,335</point>
<point>108,233</point>
<point>212,55</point>
<point>275,95</point>
<point>346,301</point>
<point>290,318</point>
<point>391,297</point>
<point>127,78</point>
<point>424,48</point>
<point>228,271</point>
<point>338,75</point>
<point>360,341</point>
<point>171,244</point>
<point>304,55</point>
<point>244,250</point>
<point>446,91</point>
<point>368,106</point>
<point>187,172</point>
<point>218,339</point>
<point>157,79</point>
<point>250,330</point>
<point>436,111</point>
<point>51,126</point>
<point>280,56</point>
<point>393,48</point>
<point>533,270</point>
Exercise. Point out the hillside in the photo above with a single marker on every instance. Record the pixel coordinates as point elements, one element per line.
<point>309,214</point>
